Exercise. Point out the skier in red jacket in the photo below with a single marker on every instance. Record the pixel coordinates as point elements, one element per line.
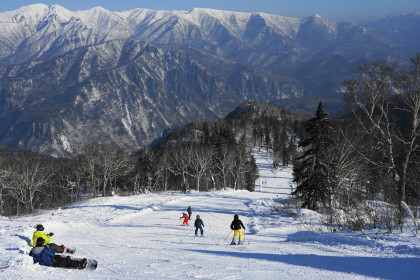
<point>186,218</point>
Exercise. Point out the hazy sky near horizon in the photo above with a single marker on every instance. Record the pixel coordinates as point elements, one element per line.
<point>345,10</point>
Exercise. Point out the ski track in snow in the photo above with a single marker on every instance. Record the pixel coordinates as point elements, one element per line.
<point>141,237</point>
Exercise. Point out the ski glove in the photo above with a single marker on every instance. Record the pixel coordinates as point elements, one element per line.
<point>51,234</point>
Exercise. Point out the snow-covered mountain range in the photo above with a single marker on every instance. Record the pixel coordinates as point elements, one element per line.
<point>40,31</point>
<point>71,77</point>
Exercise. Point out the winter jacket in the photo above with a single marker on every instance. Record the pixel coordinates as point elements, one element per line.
<point>38,234</point>
<point>185,216</point>
<point>198,223</point>
<point>189,210</point>
<point>237,224</point>
<point>42,255</point>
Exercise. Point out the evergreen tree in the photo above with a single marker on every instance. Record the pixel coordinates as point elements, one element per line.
<point>314,170</point>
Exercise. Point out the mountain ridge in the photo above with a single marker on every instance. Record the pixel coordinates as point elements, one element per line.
<point>139,91</point>
<point>61,70</point>
<point>194,27</point>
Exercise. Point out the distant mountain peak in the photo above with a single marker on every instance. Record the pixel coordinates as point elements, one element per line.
<point>414,14</point>
<point>319,19</point>
<point>31,8</point>
<point>26,11</point>
<point>60,11</point>
<point>37,12</point>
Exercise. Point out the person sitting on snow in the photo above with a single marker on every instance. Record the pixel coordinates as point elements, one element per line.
<point>45,256</point>
<point>186,218</point>
<point>47,238</point>
<point>237,226</point>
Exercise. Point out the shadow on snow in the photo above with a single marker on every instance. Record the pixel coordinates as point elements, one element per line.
<point>119,207</point>
<point>385,268</point>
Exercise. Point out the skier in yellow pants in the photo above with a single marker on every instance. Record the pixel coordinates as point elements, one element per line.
<point>237,226</point>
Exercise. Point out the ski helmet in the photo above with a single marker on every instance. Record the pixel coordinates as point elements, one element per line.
<point>198,216</point>
<point>40,241</point>
<point>40,227</point>
<point>236,216</point>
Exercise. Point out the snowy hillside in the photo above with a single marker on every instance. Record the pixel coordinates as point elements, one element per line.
<point>140,237</point>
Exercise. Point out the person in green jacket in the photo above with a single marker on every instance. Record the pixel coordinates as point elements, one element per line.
<point>47,237</point>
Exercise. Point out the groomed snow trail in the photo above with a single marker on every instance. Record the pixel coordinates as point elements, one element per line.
<point>141,237</point>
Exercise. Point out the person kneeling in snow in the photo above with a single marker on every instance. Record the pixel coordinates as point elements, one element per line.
<point>45,256</point>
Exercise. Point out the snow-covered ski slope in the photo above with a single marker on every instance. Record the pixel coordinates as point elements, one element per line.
<point>140,237</point>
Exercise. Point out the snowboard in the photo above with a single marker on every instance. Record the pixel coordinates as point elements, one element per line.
<point>91,264</point>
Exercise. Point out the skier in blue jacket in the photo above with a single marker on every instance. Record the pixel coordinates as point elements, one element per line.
<point>45,256</point>
<point>199,225</point>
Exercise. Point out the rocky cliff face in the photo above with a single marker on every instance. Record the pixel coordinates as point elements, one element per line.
<point>125,91</point>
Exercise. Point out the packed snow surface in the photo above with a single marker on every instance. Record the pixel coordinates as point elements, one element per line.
<point>141,237</point>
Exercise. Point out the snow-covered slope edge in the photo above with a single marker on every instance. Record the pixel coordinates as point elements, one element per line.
<point>140,237</point>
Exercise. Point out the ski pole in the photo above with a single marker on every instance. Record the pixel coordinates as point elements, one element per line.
<point>189,232</point>
<point>226,237</point>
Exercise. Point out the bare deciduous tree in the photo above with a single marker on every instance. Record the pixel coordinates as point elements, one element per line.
<point>201,160</point>
<point>377,98</point>
<point>224,160</point>
<point>180,163</point>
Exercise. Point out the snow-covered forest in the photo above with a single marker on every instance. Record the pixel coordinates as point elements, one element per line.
<point>141,237</point>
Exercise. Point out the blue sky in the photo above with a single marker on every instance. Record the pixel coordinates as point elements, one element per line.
<point>348,10</point>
